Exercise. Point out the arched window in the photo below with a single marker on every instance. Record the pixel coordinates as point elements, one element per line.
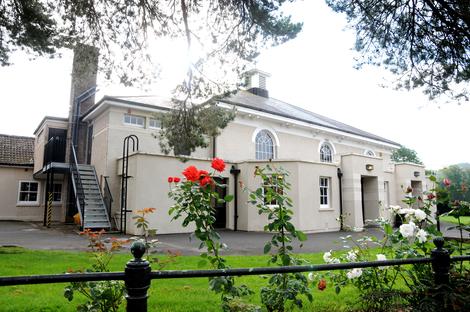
<point>369,153</point>
<point>264,145</point>
<point>326,153</point>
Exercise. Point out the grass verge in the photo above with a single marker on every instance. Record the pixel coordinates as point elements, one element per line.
<point>164,295</point>
<point>465,220</point>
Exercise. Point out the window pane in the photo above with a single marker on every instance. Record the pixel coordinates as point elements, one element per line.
<point>264,146</point>
<point>33,187</point>
<point>33,197</point>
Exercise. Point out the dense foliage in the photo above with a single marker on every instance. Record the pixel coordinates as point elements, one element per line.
<point>426,43</point>
<point>404,154</point>
<point>271,199</point>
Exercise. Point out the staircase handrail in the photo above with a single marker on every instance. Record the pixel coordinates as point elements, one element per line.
<point>76,188</point>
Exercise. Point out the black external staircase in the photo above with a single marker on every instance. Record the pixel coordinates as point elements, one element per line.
<point>90,203</point>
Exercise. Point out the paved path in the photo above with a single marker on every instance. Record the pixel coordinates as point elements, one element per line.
<point>33,235</point>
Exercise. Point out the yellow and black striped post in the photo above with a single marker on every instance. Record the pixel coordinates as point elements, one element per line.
<point>49,209</point>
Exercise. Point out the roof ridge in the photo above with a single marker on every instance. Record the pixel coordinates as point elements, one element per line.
<point>17,136</point>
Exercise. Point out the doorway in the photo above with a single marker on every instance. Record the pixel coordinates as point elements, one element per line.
<point>417,187</point>
<point>221,208</point>
<point>370,199</point>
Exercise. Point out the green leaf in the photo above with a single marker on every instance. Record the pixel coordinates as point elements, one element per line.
<point>267,248</point>
<point>228,198</point>
<point>301,236</point>
<point>337,289</point>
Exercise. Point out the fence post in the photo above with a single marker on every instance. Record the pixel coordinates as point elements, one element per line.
<point>440,262</point>
<point>137,279</point>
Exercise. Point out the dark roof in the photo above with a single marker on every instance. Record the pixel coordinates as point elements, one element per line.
<point>249,100</point>
<point>283,109</point>
<point>16,150</point>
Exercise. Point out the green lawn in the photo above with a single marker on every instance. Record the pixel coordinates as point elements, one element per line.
<point>165,295</point>
<point>464,220</point>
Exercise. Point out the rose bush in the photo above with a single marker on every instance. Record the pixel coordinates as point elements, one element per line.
<point>194,200</point>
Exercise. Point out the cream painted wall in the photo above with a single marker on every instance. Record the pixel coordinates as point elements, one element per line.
<point>404,175</point>
<point>149,188</point>
<point>109,132</point>
<point>9,188</point>
<point>313,218</point>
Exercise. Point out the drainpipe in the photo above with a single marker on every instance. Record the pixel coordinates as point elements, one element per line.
<point>214,147</point>
<point>235,173</point>
<point>340,176</point>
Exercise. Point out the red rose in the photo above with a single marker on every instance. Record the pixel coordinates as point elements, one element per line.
<point>206,180</point>
<point>321,284</point>
<point>170,179</point>
<point>218,164</point>
<point>431,196</point>
<point>191,173</point>
<point>176,179</point>
<point>446,182</point>
<point>203,173</point>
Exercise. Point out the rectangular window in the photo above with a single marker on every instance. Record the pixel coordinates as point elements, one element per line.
<point>133,120</point>
<point>324,192</point>
<point>155,123</point>
<point>272,185</point>
<point>57,193</point>
<point>28,192</point>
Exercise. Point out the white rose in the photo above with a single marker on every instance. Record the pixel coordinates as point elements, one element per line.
<point>354,273</point>
<point>407,229</point>
<point>381,257</point>
<point>394,208</point>
<point>422,236</point>
<point>351,256</point>
<point>310,276</point>
<point>327,256</point>
<point>420,215</point>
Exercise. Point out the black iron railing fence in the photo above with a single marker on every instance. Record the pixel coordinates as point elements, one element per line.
<point>138,275</point>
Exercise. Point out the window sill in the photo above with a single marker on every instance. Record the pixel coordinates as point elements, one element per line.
<point>326,209</point>
<point>27,204</point>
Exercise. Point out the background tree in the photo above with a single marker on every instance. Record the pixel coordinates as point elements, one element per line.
<point>221,37</point>
<point>426,43</point>
<point>459,177</point>
<point>404,154</point>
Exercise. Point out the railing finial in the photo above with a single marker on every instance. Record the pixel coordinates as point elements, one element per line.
<point>138,250</point>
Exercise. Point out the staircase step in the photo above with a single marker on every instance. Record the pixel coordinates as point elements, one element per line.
<point>89,194</point>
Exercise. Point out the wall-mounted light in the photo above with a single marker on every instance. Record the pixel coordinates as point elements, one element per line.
<point>369,167</point>
<point>416,174</point>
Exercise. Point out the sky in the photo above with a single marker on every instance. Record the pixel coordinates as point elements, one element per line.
<point>314,71</point>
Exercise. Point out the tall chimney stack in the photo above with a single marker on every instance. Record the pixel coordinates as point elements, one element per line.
<point>82,95</point>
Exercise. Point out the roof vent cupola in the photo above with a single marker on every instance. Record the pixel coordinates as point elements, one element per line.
<point>256,82</point>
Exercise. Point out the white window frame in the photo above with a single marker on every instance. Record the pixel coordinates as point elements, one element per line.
<point>54,192</point>
<point>275,188</point>
<point>38,191</point>
<point>369,153</point>
<point>137,117</point>
<point>325,192</point>
<point>158,121</point>
<point>262,152</point>
<point>328,145</point>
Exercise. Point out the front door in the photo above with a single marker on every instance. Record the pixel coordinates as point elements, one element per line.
<point>221,208</point>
